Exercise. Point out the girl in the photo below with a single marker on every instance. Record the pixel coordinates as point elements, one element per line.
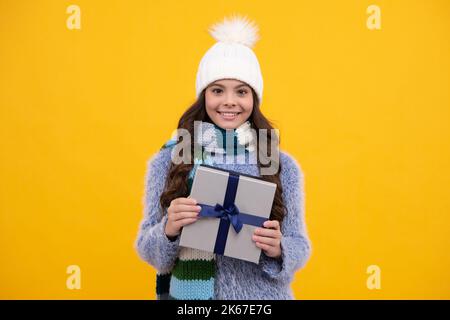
<point>229,90</point>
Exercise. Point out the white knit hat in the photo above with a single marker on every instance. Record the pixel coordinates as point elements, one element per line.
<point>231,57</point>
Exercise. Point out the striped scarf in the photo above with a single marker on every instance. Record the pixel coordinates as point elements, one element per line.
<point>192,277</point>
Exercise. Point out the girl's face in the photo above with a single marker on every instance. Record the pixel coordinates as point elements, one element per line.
<point>229,103</point>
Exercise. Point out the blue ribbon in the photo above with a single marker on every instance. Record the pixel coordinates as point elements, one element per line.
<point>229,214</point>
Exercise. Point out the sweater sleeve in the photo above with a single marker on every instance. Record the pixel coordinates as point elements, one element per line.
<point>152,244</point>
<point>295,244</point>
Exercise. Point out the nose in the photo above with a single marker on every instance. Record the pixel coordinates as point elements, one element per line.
<point>229,101</point>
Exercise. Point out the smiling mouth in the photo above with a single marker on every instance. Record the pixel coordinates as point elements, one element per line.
<point>228,115</point>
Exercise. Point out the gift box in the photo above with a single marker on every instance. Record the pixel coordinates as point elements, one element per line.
<point>233,206</point>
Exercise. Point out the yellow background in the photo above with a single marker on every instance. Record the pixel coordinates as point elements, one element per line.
<point>365,113</point>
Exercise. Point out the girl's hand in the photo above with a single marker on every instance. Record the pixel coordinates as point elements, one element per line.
<point>269,238</point>
<point>181,212</point>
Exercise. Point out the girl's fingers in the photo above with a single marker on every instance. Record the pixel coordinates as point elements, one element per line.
<point>185,208</point>
<point>185,222</point>
<point>264,246</point>
<point>273,224</point>
<point>185,215</point>
<point>271,233</point>
<point>268,241</point>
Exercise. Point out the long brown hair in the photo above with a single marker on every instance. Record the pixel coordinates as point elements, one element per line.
<point>177,182</point>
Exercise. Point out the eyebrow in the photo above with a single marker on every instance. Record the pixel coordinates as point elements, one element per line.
<point>238,86</point>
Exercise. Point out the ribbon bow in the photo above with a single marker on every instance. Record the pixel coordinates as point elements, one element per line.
<point>230,213</point>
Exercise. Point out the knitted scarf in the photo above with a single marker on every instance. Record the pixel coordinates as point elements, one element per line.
<point>193,274</point>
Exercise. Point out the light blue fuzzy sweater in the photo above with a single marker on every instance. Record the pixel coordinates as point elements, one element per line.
<point>235,279</point>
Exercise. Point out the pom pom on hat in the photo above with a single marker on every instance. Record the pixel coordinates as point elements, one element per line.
<point>236,29</point>
<point>231,57</point>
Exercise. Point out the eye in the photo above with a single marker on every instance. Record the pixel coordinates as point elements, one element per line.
<point>216,90</point>
<point>242,91</point>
